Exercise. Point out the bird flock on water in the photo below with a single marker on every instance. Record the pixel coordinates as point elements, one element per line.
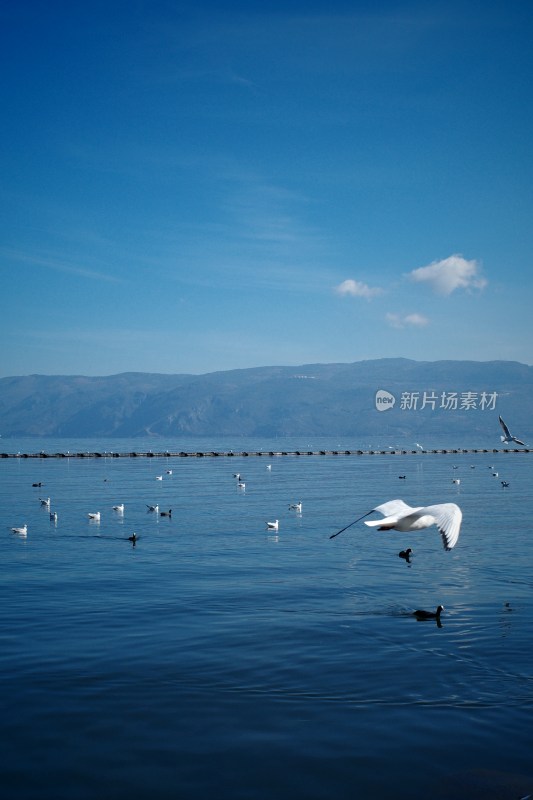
<point>92,516</point>
<point>395,515</point>
<point>119,509</point>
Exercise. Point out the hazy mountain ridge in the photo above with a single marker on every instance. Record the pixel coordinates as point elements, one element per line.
<point>312,399</point>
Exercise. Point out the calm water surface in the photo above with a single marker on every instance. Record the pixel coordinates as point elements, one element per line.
<point>218,659</point>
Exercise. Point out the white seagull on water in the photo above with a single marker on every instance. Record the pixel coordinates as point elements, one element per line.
<point>273,526</point>
<point>95,516</point>
<point>401,517</point>
<point>508,436</point>
<point>21,531</point>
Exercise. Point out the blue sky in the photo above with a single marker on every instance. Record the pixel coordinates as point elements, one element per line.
<point>190,187</point>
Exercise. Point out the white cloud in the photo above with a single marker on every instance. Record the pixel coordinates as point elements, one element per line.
<point>357,289</point>
<point>408,320</point>
<point>451,273</point>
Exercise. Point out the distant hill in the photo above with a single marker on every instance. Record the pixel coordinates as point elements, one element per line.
<point>420,397</point>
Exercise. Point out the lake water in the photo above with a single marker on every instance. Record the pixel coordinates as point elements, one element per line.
<point>216,659</point>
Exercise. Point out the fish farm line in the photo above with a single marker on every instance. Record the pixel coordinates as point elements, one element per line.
<point>268,453</point>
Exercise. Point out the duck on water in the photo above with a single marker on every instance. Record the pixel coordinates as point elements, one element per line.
<point>421,614</point>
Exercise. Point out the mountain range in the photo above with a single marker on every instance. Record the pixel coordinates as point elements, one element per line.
<point>383,396</point>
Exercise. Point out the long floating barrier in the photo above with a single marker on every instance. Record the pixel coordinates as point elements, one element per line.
<point>269,453</point>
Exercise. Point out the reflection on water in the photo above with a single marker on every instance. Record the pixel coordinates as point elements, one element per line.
<point>212,657</point>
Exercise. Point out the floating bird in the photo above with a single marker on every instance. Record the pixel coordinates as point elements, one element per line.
<point>494,474</point>
<point>508,436</point>
<point>159,477</point>
<point>53,516</point>
<point>401,517</point>
<point>505,483</point>
<point>405,553</point>
<point>456,480</point>
<point>169,472</point>
<point>94,516</point>
<point>241,485</point>
<point>402,477</point>
<point>296,507</point>
<point>269,466</point>
<point>21,531</point>
<point>119,508</point>
<point>37,484</point>
<point>273,526</point>
<point>237,475</point>
<point>153,508</point>
<point>421,614</point>
<point>166,513</point>
<point>133,538</point>
<point>45,502</point>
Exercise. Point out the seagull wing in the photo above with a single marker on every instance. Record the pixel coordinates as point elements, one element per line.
<point>448,517</point>
<point>518,441</point>
<point>505,429</point>
<point>392,510</point>
<point>394,507</point>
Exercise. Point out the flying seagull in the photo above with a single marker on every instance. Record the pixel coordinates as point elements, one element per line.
<point>401,517</point>
<point>508,436</point>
